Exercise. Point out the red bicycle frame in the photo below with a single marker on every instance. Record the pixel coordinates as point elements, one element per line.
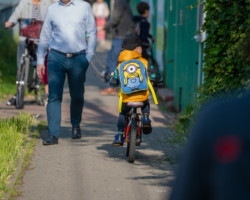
<point>127,127</point>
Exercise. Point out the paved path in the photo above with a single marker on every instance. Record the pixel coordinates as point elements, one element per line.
<point>92,168</point>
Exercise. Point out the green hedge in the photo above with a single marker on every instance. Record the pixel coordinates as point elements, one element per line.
<point>226,54</point>
<point>226,64</point>
<point>8,68</point>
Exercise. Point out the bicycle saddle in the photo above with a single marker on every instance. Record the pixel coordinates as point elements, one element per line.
<point>135,104</point>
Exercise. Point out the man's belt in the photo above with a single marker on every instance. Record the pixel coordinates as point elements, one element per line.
<point>70,55</point>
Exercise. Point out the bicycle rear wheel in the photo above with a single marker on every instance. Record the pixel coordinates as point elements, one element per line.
<point>132,142</point>
<point>22,78</point>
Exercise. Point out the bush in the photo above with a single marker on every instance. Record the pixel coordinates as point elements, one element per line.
<point>8,67</point>
<point>226,66</point>
<point>226,53</point>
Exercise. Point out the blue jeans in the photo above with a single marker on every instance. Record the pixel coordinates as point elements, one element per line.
<point>75,68</point>
<point>112,59</point>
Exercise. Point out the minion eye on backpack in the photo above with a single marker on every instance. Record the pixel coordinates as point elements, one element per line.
<point>133,77</point>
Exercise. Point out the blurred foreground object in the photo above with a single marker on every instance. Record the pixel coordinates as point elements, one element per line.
<point>216,162</point>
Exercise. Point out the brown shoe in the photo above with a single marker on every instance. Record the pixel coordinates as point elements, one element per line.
<point>108,91</point>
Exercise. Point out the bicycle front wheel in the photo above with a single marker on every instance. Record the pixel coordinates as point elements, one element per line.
<point>132,142</point>
<point>22,77</point>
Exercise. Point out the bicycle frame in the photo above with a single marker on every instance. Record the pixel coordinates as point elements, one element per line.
<point>29,52</point>
<point>27,75</point>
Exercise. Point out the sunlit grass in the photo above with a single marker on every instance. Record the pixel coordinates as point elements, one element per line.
<point>13,137</point>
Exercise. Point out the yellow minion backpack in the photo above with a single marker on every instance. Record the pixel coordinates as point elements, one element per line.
<point>134,78</point>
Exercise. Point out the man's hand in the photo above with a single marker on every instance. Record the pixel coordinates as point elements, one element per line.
<point>40,69</point>
<point>8,24</point>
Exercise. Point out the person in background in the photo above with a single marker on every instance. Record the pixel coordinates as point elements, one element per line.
<point>143,27</point>
<point>27,9</point>
<point>89,1</point>
<point>121,26</point>
<point>101,13</point>
<point>45,81</point>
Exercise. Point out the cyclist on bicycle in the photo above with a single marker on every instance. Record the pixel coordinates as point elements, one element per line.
<point>131,51</point>
<point>26,9</point>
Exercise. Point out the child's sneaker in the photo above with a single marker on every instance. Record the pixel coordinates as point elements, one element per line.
<point>118,138</point>
<point>146,124</point>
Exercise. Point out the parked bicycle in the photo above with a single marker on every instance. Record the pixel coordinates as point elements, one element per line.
<point>26,75</point>
<point>133,130</point>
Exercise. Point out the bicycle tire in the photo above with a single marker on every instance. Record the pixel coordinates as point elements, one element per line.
<point>132,142</point>
<point>22,79</point>
<point>127,151</point>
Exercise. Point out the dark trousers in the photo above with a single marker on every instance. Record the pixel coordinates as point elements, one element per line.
<point>145,53</point>
<point>112,59</point>
<point>58,67</point>
<point>125,110</point>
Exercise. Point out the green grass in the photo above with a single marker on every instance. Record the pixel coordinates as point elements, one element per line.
<point>8,68</point>
<point>14,191</point>
<point>14,134</point>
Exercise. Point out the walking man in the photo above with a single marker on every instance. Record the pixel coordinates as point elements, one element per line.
<point>66,24</point>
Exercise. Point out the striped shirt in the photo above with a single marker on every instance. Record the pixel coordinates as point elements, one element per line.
<point>36,12</point>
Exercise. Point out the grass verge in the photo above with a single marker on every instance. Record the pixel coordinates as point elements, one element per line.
<point>26,159</point>
<point>14,135</point>
<point>13,191</point>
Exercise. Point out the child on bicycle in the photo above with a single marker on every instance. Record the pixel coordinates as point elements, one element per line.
<point>131,51</point>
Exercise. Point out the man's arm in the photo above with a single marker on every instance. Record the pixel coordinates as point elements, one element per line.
<point>44,40</point>
<point>116,16</point>
<point>91,34</point>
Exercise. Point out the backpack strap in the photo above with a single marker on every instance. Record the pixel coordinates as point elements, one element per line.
<point>120,101</point>
<point>152,91</point>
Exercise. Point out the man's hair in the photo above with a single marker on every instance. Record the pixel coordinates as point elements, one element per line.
<point>142,7</point>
